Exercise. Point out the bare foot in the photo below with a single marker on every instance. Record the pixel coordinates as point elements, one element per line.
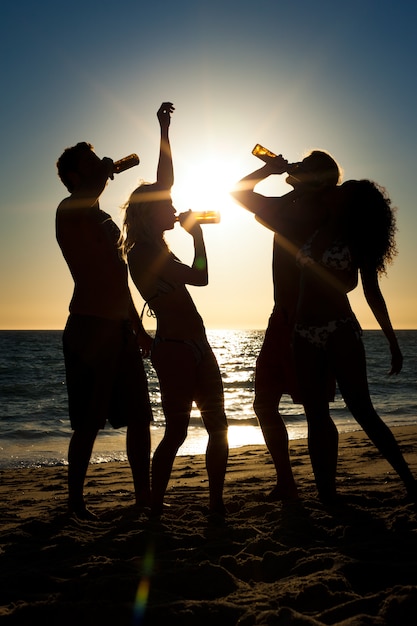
<point>282,494</point>
<point>143,499</point>
<point>84,514</point>
<point>217,508</point>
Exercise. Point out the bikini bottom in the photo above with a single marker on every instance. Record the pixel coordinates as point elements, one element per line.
<point>199,347</point>
<point>319,336</point>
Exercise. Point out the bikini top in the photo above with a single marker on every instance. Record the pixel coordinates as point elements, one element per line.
<point>163,287</point>
<point>336,257</point>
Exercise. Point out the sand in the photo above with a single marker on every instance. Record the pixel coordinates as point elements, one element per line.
<point>288,564</point>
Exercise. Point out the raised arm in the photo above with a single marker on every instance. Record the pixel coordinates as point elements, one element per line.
<point>269,211</point>
<point>244,191</point>
<point>377,304</point>
<point>165,171</point>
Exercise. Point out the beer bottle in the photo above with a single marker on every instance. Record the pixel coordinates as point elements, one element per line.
<point>205,217</point>
<point>126,163</point>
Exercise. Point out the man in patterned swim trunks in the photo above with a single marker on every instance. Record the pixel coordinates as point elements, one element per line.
<point>104,336</point>
<point>313,180</point>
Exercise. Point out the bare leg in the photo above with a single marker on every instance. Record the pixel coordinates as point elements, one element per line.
<point>323,438</point>
<point>323,443</point>
<point>209,397</point>
<point>138,446</point>
<point>276,438</point>
<point>273,376</point>
<point>217,454</point>
<point>350,366</point>
<point>175,365</point>
<point>79,454</point>
<point>163,460</point>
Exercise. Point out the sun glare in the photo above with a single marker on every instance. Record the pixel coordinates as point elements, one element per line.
<point>205,186</point>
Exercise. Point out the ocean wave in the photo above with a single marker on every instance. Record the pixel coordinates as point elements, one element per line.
<point>34,404</point>
<point>26,434</point>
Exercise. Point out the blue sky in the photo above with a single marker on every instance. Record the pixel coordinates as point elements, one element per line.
<point>335,76</point>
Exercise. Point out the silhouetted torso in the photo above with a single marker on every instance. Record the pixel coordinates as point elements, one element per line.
<point>88,240</point>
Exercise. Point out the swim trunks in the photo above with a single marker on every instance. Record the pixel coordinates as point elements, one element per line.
<point>275,370</point>
<point>275,367</point>
<point>106,380</point>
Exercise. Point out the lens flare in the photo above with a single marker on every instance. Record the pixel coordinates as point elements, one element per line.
<point>142,593</point>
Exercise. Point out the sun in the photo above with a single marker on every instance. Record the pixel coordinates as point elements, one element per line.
<point>205,186</point>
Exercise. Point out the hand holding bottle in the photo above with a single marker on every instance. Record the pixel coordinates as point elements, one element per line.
<point>189,223</point>
<point>116,167</point>
<point>126,163</point>
<point>202,217</point>
<point>276,162</point>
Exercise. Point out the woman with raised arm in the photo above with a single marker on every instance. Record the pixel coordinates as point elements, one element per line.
<point>183,359</point>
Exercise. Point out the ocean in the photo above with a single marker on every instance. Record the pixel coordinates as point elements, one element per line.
<point>34,426</point>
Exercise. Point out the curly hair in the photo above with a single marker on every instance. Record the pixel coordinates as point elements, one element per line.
<point>370,223</point>
<point>137,222</point>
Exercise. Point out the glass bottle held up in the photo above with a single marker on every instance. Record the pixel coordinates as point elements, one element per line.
<point>267,156</point>
<point>205,217</point>
<point>263,153</point>
<point>126,163</point>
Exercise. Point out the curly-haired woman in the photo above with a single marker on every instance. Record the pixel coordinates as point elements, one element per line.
<point>358,235</point>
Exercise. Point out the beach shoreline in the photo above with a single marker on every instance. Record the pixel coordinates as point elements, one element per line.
<point>271,563</point>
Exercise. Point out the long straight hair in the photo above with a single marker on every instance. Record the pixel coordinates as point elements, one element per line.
<point>137,222</point>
